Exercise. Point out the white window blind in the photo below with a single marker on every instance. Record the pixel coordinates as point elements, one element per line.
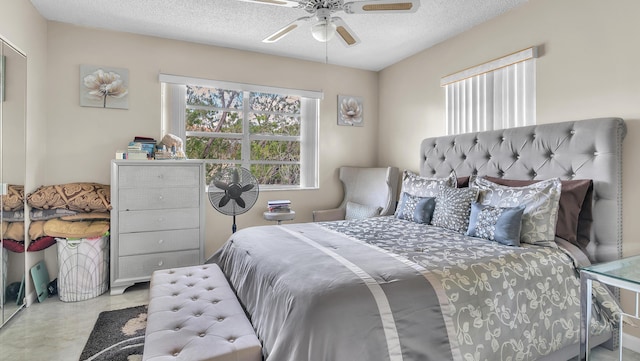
<point>495,95</point>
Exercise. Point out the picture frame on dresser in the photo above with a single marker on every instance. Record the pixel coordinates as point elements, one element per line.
<point>157,218</point>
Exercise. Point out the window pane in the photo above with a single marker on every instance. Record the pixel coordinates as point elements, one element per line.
<point>213,121</point>
<point>275,103</point>
<point>282,174</point>
<point>211,170</point>
<point>274,124</point>
<point>213,148</point>
<point>219,98</point>
<point>275,150</point>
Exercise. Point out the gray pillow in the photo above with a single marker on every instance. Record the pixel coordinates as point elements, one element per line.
<point>425,187</point>
<point>496,224</point>
<point>453,206</point>
<point>541,202</point>
<point>415,209</point>
<point>360,211</point>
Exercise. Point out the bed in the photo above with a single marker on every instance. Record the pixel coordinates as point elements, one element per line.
<point>395,288</point>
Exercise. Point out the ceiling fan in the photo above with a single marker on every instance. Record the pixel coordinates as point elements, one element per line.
<point>327,25</point>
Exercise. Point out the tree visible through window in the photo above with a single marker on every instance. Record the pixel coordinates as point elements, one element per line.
<point>274,135</point>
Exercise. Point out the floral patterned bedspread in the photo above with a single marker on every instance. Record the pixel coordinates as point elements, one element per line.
<point>505,303</point>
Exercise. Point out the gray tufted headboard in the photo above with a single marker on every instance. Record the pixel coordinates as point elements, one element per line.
<point>584,149</point>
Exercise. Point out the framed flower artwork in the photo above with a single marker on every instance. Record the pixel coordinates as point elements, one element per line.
<point>350,111</point>
<point>104,87</point>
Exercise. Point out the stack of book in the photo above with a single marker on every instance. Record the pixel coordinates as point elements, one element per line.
<point>140,148</point>
<point>135,151</point>
<point>279,206</point>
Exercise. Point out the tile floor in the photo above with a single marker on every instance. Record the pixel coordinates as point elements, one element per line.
<point>57,331</point>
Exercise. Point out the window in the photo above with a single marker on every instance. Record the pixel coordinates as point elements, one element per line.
<point>273,132</point>
<point>495,95</point>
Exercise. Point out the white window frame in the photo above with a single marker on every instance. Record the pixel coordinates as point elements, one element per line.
<point>174,122</point>
<point>498,94</point>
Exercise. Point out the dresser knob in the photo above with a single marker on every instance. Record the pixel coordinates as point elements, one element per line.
<point>160,197</point>
<point>160,263</point>
<point>160,220</point>
<point>161,241</point>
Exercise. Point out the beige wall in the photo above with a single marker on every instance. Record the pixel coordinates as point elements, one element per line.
<point>588,68</point>
<point>21,24</point>
<point>82,140</point>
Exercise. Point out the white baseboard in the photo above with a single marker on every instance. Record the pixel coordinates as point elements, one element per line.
<point>631,342</point>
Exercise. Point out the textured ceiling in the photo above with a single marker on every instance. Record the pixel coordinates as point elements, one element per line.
<point>386,38</point>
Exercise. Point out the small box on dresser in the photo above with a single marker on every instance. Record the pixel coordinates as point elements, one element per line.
<point>157,218</point>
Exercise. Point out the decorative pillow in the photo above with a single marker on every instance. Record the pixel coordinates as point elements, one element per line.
<point>453,206</point>
<point>416,185</point>
<point>541,202</point>
<point>41,243</point>
<point>44,214</point>
<point>462,182</point>
<point>360,211</point>
<point>81,197</point>
<point>496,224</point>
<point>415,209</point>
<point>14,199</point>
<point>575,209</point>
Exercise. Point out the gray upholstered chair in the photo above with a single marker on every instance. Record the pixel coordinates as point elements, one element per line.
<point>366,190</point>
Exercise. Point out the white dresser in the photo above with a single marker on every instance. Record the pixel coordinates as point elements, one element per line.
<point>157,220</point>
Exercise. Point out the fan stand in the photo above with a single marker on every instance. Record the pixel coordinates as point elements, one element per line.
<point>233,227</point>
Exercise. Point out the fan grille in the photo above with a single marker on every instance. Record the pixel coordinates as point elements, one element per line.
<point>239,193</point>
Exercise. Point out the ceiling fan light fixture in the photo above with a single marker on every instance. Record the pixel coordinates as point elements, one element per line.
<point>323,30</point>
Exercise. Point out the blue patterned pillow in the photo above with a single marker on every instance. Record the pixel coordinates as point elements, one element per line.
<point>415,209</point>
<point>500,224</point>
<point>453,206</point>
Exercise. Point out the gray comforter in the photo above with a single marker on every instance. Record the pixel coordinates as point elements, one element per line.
<point>388,289</point>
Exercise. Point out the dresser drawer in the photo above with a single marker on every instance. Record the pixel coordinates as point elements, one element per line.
<point>144,265</point>
<point>158,198</point>
<point>163,241</point>
<point>158,220</point>
<point>158,176</point>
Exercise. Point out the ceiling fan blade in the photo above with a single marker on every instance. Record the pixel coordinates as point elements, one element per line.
<point>348,36</point>
<point>240,202</point>
<point>287,3</point>
<point>382,6</point>
<point>285,30</point>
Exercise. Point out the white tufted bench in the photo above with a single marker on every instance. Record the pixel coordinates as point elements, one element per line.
<point>194,315</point>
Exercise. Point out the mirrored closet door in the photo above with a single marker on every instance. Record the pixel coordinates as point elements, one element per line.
<point>13,96</point>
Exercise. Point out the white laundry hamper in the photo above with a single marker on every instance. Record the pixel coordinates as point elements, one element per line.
<point>83,268</point>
